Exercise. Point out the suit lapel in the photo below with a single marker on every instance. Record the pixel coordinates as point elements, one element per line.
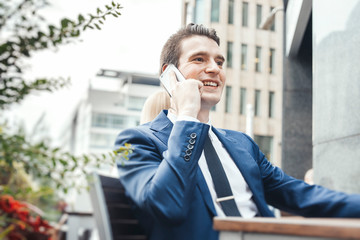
<point>162,126</point>
<point>246,164</point>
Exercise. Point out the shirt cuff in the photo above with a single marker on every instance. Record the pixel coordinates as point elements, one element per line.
<point>187,118</point>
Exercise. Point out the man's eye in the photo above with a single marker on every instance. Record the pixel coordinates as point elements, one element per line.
<point>199,59</point>
<point>220,63</point>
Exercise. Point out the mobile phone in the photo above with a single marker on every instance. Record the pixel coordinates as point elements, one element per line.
<point>165,77</point>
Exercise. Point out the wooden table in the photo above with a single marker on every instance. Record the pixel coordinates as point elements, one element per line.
<point>287,228</point>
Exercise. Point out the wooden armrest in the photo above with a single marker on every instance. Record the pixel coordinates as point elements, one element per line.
<point>80,214</point>
<point>314,227</point>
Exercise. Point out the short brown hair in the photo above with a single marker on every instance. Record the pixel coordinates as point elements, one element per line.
<point>171,50</point>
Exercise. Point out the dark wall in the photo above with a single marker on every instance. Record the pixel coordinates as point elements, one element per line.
<point>297,109</point>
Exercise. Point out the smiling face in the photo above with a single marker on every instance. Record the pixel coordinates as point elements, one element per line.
<point>201,59</point>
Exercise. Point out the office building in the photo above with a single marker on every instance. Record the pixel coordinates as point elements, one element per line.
<point>253,66</point>
<point>113,103</point>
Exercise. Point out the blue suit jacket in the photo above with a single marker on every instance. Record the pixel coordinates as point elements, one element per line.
<point>170,194</point>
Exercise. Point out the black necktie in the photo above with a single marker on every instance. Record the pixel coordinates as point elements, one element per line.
<point>222,187</point>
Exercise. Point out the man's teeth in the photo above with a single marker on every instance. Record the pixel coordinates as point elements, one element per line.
<point>213,84</point>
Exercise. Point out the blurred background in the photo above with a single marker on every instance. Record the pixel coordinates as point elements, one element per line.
<point>291,85</point>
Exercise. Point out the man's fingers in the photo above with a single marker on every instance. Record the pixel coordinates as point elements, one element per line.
<point>172,80</point>
<point>201,87</point>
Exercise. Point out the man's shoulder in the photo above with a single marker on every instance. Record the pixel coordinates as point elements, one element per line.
<point>233,132</point>
<point>140,129</point>
<point>238,135</point>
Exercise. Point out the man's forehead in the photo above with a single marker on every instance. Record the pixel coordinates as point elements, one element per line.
<point>194,45</point>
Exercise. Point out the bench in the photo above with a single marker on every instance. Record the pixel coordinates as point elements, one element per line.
<point>113,214</point>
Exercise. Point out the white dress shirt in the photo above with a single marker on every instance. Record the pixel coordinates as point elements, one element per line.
<point>239,187</point>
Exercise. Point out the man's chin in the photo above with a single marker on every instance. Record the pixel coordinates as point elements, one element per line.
<point>209,103</point>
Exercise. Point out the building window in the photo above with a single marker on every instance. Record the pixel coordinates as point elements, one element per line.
<point>231,12</point>
<point>258,59</point>
<point>265,144</point>
<point>272,61</point>
<point>228,99</point>
<point>199,11</point>
<point>188,14</point>
<point>102,140</point>
<point>136,103</point>
<point>104,120</point>
<point>271,104</point>
<point>258,15</point>
<point>272,27</point>
<point>245,14</point>
<point>215,10</point>
<point>243,57</point>
<point>229,54</point>
<point>257,103</point>
<point>242,101</point>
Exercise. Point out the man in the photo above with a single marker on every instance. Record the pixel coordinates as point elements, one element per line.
<point>169,178</point>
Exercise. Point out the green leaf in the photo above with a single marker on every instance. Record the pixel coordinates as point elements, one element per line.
<point>97,26</point>
<point>55,150</point>
<point>81,18</point>
<point>65,23</point>
<point>63,162</point>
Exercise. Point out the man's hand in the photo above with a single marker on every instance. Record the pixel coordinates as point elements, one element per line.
<point>186,96</point>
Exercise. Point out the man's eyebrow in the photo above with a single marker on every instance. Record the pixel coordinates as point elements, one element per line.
<point>202,53</point>
<point>221,57</point>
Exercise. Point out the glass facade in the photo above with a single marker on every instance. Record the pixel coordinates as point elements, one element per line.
<point>231,12</point>
<point>258,59</point>
<point>244,57</point>
<point>271,104</point>
<point>258,15</point>
<point>229,55</point>
<point>272,27</point>
<point>199,12</point>
<point>242,101</point>
<point>245,14</point>
<point>257,103</point>
<point>228,100</point>
<point>215,10</point>
<point>272,61</point>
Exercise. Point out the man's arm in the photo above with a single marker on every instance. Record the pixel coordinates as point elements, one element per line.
<point>159,183</point>
<point>297,197</point>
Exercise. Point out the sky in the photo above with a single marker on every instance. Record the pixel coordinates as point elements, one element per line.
<point>131,42</point>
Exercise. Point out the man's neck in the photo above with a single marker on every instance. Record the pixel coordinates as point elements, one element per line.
<point>203,116</point>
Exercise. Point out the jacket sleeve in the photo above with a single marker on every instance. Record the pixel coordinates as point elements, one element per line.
<point>162,183</point>
<point>295,196</point>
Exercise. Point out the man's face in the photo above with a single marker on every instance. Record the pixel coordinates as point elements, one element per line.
<point>201,59</point>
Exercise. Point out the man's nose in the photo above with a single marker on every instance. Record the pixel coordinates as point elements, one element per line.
<point>212,67</point>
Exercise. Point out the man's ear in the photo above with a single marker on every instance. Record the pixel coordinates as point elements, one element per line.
<point>164,67</point>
